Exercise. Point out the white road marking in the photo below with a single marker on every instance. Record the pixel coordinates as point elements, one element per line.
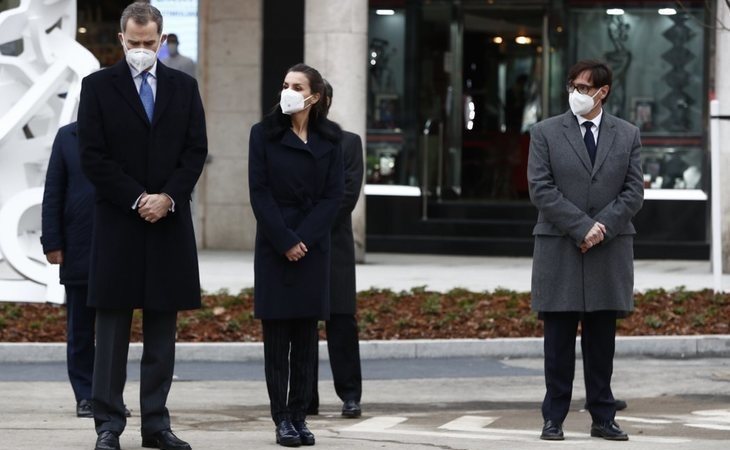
<point>472,427</point>
<point>468,423</point>
<point>642,420</point>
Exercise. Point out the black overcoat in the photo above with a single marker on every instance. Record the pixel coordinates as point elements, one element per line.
<point>296,190</point>
<point>343,291</point>
<point>136,264</point>
<point>68,208</point>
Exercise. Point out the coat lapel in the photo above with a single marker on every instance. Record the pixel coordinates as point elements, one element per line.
<point>292,140</point>
<point>606,136</point>
<point>123,82</point>
<point>574,137</point>
<point>165,91</point>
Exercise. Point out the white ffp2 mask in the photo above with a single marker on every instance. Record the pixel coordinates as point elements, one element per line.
<point>140,58</point>
<point>292,101</point>
<point>581,104</point>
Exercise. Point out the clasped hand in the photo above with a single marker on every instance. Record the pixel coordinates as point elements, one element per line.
<point>297,252</point>
<point>594,237</point>
<point>153,207</point>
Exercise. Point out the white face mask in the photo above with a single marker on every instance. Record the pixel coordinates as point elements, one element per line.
<point>292,101</point>
<point>581,104</point>
<point>140,58</point>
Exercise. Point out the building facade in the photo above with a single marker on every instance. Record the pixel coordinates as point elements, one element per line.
<point>443,93</point>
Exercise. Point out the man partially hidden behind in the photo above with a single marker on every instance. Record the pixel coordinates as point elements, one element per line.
<point>177,60</point>
<point>143,146</point>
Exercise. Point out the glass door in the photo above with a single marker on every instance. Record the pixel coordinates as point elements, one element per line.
<point>481,89</point>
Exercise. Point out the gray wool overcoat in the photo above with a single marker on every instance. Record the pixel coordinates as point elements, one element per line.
<point>571,195</point>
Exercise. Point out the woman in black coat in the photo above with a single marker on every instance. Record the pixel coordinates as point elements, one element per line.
<point>296,182</point>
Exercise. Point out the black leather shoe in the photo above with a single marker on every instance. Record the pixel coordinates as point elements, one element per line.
<point>608,430</point>
<point>305,436</point>
<point>351,409</point>
<point>164,440</point>
<point>107,440</point>
<point>287,435</point>
<point>85,409</point>
<point>552,431</point>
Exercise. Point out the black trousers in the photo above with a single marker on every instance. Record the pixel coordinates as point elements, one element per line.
<point>290,361</point>
<point>343,346</point>
<point>598,336</point>
<point>79,341</point>
<point>110,368</point>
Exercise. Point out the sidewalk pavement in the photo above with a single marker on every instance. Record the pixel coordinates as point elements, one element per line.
<point>234,271</point>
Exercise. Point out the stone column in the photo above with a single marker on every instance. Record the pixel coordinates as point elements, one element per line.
<point>229,75</point>
<point>722,91</point>
<point>336,44</point>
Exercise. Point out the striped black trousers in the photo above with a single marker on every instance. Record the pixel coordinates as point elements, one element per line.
<point>290,361</point>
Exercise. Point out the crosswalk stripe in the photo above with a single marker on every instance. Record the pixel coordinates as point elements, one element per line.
<point>642,420</point>
<point>468,423</point>
<point>379,423</point>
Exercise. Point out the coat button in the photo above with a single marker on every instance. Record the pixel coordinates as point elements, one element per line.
<point>592,210</point>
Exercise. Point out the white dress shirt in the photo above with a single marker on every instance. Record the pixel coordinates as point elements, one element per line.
<point>151,80</point>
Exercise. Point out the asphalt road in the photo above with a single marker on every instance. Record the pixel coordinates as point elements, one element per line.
<point>465,403</point>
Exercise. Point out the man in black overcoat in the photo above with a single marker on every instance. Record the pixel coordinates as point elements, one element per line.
<point>143,146</point>
<point>342,332</point>
<point>68,205</point>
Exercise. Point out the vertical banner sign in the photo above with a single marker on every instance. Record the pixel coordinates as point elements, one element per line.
<point>181,18</point>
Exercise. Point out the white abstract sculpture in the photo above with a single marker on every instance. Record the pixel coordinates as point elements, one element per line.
<point>32,109</point>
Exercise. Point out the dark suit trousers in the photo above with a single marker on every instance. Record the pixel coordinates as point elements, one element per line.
<point>110,368</point>
<point>343,347</point>
<point>290,359</point>
<point>598,336</point>
<point>79,341</point>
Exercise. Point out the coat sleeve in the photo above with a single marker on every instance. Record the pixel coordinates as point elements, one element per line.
<point>618,213</point>
<point>320,219</point>
<point>546,196</point>
<point>353,161</point>
<point>192,159</point>
<point>267,212</point>
<point>54,199</point>
<point>100,168</point>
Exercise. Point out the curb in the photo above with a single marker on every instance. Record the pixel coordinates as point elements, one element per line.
<point>701,346</point>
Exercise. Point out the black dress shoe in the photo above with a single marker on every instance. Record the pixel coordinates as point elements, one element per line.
<point>351,409</point>
<point>85,409</point>
<point>164,440</point>
<point>552,431</point>
<point>107,440</point>
<point>287,435</point>
<point>305,436</point>
<point>621,405</point>
<point>608,430</point>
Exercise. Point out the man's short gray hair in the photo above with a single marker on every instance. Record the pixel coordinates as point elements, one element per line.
<point>141,13</point>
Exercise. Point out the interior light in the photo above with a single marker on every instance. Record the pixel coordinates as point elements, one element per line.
<point>384,12</point>
<point>498,40</point>
<point>615,12</point>
<point>82,30</point>
<point>374,54</point>
<point>523,40</point>
<point>559,29</point>
<point>667,11</point>
<point>373,62</point>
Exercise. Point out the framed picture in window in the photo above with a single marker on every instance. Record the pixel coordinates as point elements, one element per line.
<point>386,110</point>
<point>642,113</point>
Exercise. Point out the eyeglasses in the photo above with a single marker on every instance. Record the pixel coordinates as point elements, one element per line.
<point>582,88</point>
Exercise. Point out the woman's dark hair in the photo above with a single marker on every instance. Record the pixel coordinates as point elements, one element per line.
<point>276,122</point>
<point>601,74</point>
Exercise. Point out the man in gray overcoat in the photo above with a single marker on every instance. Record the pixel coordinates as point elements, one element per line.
<point>585,178</point>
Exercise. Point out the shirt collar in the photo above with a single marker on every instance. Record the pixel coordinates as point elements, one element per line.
<point>596,120</point>
<point>152,70</point>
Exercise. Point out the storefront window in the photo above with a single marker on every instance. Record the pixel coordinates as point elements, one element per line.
<point>658,61</point>
<point>385,143</point>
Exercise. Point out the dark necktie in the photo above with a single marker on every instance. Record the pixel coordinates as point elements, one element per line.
<point>145,94</point>
<point>590,141</point>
